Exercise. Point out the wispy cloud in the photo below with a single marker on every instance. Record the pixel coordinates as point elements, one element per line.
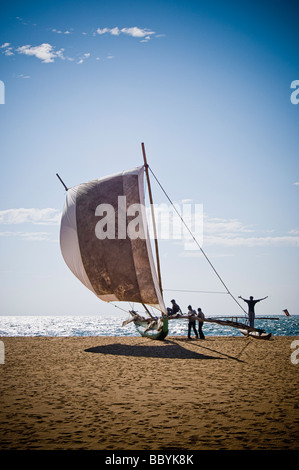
<point>134,32</point>
<point>228,233</point>
<point>45,52</point>
<point>58,31</point>
<point>83,58</point>
<point>30,236</point>
<point>48,53</point>
<point>296,183</point>
<point>233,233</point>
<point>34,216</point>
<point>233,241</point>
<point>21,75</point>
<point>7,49</point>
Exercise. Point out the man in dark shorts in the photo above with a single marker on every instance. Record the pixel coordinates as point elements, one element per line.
<point>191,324</point>
<point>251,303</point>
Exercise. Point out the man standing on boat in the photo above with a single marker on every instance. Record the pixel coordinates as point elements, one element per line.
<point>251,303</point>
<point>201,316</point>
<point>192,319</point>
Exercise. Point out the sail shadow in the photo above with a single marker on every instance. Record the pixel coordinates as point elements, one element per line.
<point>172,351</point>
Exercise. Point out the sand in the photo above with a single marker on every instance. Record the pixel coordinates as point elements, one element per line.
<point>132,393</point>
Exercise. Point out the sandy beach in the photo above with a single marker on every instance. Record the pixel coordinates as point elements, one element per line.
<point>132,393</point>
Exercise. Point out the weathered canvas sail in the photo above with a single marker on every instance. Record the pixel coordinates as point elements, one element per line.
<point>116,265</point>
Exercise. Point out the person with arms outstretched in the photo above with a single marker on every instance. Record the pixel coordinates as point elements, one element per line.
<point>251,303</point>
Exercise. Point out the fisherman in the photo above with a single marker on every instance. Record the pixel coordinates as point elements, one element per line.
<point>175,308</point>
<point>251,303</point>
<point>200,316</point>
<point>191,323</point>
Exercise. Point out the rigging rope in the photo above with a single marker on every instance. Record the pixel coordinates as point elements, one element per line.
<point>202,251</point>
<point>117,306</point>
<point>196,291</point>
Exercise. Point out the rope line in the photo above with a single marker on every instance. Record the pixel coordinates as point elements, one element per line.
<point>196,291</point>
<point>202,251</point>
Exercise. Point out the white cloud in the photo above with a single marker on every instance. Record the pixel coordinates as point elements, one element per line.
<point>115,31</point>
<point>296,183</point>
<point>58,31</point>
<point>233,241</point>
<point>220,232</point>
<point>84,57</point>
<point>29,236</point>
<point>45,52</point>
<point>134,32</point>
<point>60,54</point>
<point>231,233</point>
<point>228,226</point>
<point>103,31</point>
<point>7,49</point>
<point>209,231</point>
<point>34,216</point>
<point>146,39</point>
<point>137,32</point>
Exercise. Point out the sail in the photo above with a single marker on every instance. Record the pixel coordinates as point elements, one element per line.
<point>104,243</point>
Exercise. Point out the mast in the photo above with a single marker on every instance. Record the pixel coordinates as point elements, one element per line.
<point>153,215</point>
<point>65,187</point>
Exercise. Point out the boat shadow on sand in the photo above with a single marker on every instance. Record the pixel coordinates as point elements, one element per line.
<point>168,350</point>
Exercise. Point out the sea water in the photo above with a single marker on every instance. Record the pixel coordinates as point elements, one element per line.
<point>29,325</point>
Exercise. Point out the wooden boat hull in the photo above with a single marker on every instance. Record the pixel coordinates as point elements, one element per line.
<point>152,333</point>
<point>256,334</point>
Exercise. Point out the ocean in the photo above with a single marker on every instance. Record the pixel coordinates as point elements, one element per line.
<point>29,325</point>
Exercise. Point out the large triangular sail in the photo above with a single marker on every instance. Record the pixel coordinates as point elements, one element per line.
<point>98,243</point>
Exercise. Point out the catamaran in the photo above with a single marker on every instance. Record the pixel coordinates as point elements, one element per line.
<point>112,255</point>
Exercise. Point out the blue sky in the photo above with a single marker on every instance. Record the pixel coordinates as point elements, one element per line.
<point>207,86</point>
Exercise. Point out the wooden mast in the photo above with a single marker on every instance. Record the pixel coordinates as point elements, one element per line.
<point>153,215</point>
